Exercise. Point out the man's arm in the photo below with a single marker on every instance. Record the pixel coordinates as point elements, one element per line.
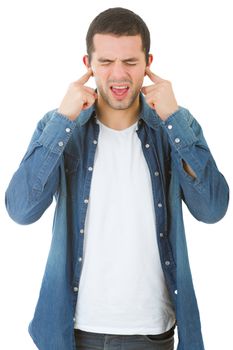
<point>32,187</point>
<point>205,191</point>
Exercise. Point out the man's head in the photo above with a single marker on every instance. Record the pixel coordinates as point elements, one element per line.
<point>118,22</point>
<point>118,44</point>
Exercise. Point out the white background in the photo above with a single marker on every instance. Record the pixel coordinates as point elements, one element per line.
<point>42,45</point>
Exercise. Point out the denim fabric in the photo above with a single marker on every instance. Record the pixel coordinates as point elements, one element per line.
<point>97,341</point>
<point>58,164</point>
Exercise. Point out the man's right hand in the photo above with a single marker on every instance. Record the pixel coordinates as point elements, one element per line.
<point>78,97</point>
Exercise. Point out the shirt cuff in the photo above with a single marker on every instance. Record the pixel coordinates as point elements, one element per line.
<point>57,132</point>
<point>179,130</point>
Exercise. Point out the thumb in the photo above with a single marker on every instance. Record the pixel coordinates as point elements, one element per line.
<point>143,90</point>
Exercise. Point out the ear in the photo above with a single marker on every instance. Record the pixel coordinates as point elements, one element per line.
<point>86,61</point>
<point>150,60</point>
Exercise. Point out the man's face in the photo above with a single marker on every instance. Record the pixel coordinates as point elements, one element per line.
<point>118,64</point>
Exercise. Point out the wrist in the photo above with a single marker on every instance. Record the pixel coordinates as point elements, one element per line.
<point>164,116</point>
<point>70,116</point>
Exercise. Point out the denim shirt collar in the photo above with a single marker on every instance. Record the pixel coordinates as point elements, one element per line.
<point>147,114</point>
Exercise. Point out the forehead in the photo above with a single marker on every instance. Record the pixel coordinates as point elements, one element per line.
<point>112,45</point>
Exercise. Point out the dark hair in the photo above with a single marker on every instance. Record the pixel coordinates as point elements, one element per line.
<point>118,21</point>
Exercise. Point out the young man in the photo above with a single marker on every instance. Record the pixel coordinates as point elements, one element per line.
<point>119,160</point>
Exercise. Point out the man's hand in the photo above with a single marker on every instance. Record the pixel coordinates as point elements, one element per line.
<point>160,96</point>
<point>78,97</point>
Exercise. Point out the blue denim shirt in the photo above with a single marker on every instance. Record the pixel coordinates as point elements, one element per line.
<point>59,163</point>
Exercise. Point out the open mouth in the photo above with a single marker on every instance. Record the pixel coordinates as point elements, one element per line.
<point>119,91</point>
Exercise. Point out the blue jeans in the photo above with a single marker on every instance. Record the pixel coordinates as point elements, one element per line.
<point>98,341</point>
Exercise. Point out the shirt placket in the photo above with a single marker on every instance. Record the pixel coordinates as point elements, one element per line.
<point>85,201</point>
<point>166,256</point>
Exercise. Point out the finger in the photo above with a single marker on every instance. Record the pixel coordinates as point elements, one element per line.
<point>150,101</point>
<point>146,89</point>
<point>89,89</point>
<point>85,77</point>
<point>90,100</point>
<point>153,77</point>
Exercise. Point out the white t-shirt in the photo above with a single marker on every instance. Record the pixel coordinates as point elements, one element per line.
<point>122,288</point>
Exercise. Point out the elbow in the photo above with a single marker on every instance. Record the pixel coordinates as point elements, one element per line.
<point>20,216</point>
<point>208,215</point>
<point>211,205</point>
<point>212,217</point>
<point>218,204</point>
<point>217,210</point>
<point>212,210</point>
<point>20,212</point>
<point>21,220</point>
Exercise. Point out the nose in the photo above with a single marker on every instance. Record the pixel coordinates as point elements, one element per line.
<point>118,71</point>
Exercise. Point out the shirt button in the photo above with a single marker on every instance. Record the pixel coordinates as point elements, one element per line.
<point>167,263</point>
<point>68,130</point>
<point>156,173</point>
<point>176,291</point>
<point>82,230</point>
<point>169,126</point>
<point>95,142</point>
<point>147,145</point>
<point>161,234</point>
<point>75,289</point>
<point>160,205</point>
<point>80,258</point>
<point>177,140</point>
<point>86,201</point>
<point>90,168</point>
<point>74,319</point>
<point>60,143</point>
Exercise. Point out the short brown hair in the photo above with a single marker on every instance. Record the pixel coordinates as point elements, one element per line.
<point>118,21</point>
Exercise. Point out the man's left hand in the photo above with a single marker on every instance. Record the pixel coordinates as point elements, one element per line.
<point>160,95</point>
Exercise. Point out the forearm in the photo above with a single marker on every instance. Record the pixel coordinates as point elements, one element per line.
<point>204,188</point>
<point>32,187</point>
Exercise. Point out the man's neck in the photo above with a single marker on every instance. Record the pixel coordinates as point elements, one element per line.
<point>117,119</point>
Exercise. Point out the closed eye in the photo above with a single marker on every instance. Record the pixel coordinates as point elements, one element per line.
<point>104,62</point>
<point>129,62</point>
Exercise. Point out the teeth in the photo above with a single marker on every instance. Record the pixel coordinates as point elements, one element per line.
<point>119,87</point>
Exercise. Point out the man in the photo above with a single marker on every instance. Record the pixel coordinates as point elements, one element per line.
<point>119,159</point>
